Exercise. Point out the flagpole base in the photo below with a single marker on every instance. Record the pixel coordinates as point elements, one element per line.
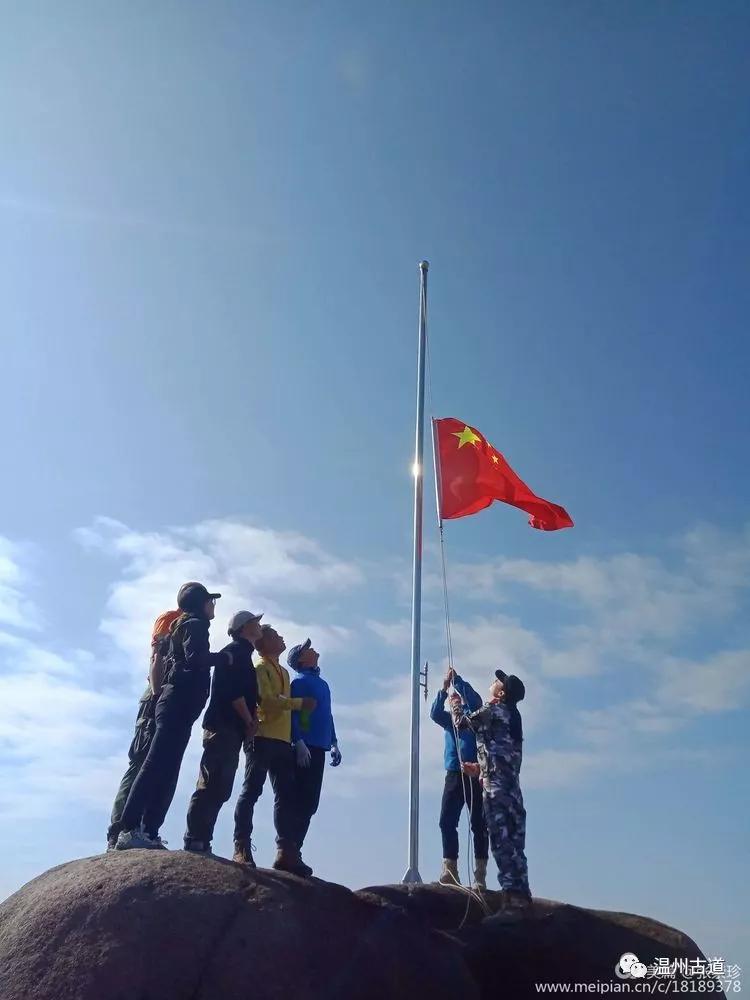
<point>412,877</point>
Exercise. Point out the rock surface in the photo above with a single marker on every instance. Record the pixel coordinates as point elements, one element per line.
<point>152,925</point>
<point>551,943</point>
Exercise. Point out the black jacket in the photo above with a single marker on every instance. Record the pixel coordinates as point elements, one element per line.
<point>189,651</point>
<point>189,664</point>
<point>230,682</point>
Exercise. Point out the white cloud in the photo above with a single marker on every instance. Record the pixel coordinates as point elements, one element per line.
<point>392,633</point>
<point>255,568</point>
<point>66,727</point>
<point>64,739</point>
<point>718,684</point>
<point>16,608</point>
<point>375,734</point>
<point>558,768</point>
<point>56,729</point>
<point>635,614</point>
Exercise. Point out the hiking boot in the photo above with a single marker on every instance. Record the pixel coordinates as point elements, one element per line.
<point>480,874</point>
<point>308,870</point>
<point>288,860</point>
<point>197,846</point>
<point>243,853</point>
<point>130,839</point>
<point>157,844</point>
<point>449,874</point>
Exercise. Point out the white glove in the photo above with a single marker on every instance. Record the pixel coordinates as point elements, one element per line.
<point>302,754</point>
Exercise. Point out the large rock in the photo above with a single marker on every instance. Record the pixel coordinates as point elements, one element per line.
<point>152,925</point>
<point>550,943</point>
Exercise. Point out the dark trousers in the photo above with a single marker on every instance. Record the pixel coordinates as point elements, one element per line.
<point>144,733</point>
<point>461,790</point>
<point>275,758</point>
<point>221,757</point>
<point>309,784</point>
<point>153,789</point>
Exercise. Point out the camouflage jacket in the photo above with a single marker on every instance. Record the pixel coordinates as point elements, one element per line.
<point>496,748</point>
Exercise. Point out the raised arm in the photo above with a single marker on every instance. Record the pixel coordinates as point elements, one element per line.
<point>438,712</point>
<point>467,692</point>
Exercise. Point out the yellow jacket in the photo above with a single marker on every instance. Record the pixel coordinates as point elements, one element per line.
<point>276,706</point>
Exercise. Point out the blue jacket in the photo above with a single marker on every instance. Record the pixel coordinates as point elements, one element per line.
<point>315,728</point>
<point>466,738</point>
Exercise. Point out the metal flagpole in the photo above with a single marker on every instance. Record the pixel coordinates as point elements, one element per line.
<point>412,873</point>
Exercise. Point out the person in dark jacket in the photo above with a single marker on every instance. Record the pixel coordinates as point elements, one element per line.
<point>145,723</point>
<point>460,789</point>
<point>313,733</point>
<point>183,696</point>
<point>230,721</point>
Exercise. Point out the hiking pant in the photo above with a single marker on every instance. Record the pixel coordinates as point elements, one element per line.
<point>309,784</point>
<point>221,757</point>
<point>144,733</point>
<point>153,789</point>
<point>462,790</point>
<point>506,821</point>
<point>263,757</point>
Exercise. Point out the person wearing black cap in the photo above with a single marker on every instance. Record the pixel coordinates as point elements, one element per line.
<point>183,696</point>
<point>230,721</point>
<point>517,693</point>
<point>499,764</point>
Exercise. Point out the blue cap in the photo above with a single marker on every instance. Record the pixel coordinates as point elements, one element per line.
<point>294,654</point>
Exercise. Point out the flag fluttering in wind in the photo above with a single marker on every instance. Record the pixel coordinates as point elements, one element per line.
<point>472,474</point>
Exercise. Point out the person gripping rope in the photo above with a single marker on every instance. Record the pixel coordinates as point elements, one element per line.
<point>460,789</point>
<point>145,723</point>
<point>183,696</point>
<point>499,763</point>
<point>230,721</point>
<point>271,753</point>
<point>313,734</point>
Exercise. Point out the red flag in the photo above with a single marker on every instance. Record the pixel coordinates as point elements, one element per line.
<point>471,474</point>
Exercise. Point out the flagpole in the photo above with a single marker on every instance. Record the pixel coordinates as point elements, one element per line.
<point>412,875</point>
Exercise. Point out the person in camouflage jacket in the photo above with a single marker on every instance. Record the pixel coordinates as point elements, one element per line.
<point>499,764</point>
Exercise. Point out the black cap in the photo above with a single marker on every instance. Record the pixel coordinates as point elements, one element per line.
<point>192,596</point>
<point>515,689</point>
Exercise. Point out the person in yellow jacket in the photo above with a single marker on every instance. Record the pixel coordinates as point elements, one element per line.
<point>271,753</point>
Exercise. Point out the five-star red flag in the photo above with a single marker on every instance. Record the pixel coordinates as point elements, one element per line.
<point>471,474</point>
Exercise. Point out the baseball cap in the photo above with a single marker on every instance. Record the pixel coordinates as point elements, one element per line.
<point>240,619</point>
<point>293,655</point>
<point>192,595</point>
<point>515,689</point>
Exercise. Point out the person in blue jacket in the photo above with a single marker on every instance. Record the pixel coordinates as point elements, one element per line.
<point>313,733</point>
<point>460,789</point>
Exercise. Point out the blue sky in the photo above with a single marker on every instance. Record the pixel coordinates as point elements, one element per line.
<point>211,221</point>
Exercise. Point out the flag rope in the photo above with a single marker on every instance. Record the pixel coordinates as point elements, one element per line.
<point>468,802</point>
